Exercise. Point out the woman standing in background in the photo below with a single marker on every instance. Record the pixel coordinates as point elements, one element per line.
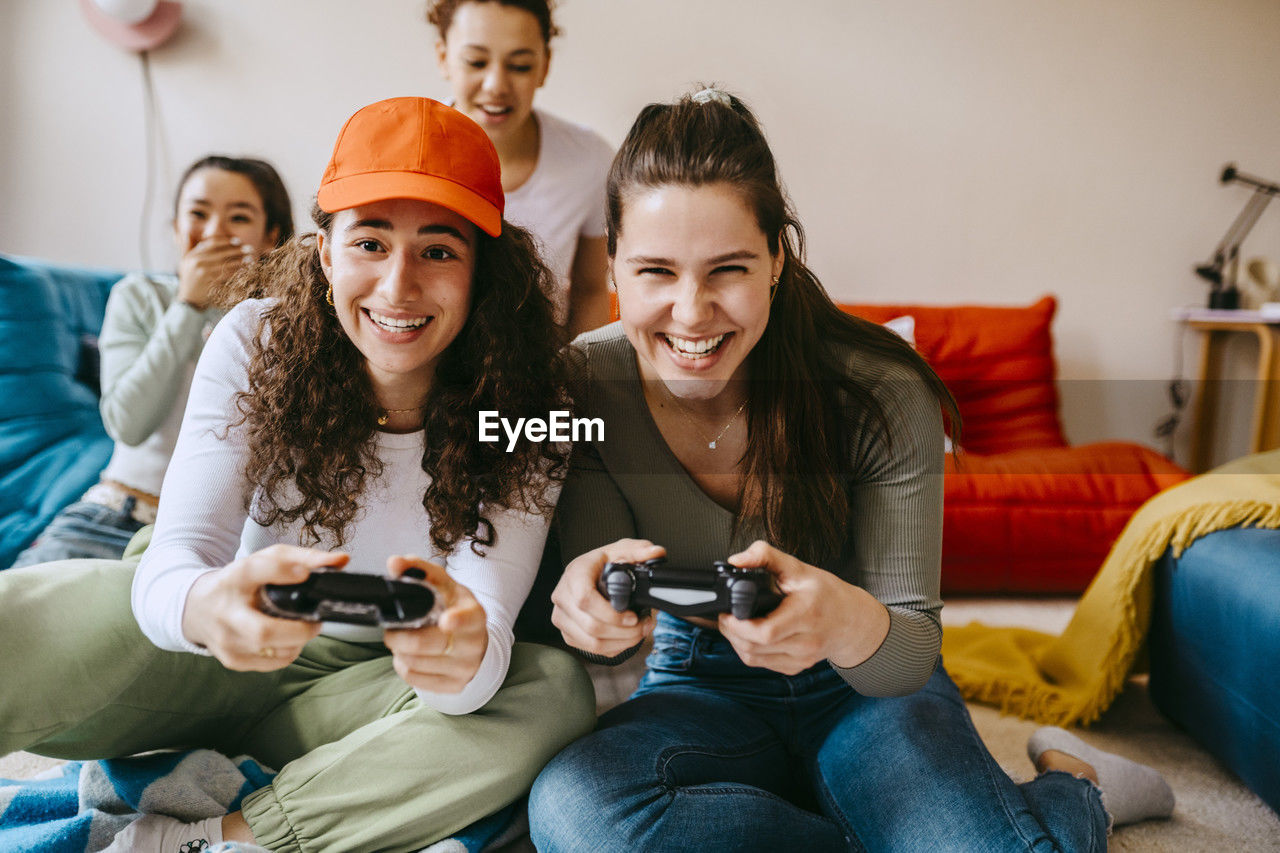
<point>495,55</point>
<point>229,211</point>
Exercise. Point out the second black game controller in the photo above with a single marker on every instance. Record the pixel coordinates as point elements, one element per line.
<point>359,599</point>
<point>746,593</point>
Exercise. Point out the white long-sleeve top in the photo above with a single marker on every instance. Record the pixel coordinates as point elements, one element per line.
<point>202,524</point>
<point>150,341</point>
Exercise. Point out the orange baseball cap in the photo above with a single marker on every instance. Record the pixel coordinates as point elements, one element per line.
<point>420,149</point>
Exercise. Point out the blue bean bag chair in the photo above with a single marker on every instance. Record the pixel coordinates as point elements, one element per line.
<point>1214,643</point>
<point>52,442</point>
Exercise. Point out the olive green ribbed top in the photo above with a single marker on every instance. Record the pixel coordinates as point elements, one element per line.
<point>630,484</point>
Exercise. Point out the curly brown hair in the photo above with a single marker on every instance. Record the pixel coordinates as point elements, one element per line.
<point>309,414</point>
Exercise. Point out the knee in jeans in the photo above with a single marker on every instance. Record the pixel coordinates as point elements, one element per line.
<point>562,799</point>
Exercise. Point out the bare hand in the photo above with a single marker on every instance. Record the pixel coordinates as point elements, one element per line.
<point>440,658</point>
<point>821,618</point>
<point>222,613</point>
<point>209,263</point>
<point>586,619</point>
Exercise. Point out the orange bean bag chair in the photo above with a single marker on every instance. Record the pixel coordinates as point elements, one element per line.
<point>1024,512</point>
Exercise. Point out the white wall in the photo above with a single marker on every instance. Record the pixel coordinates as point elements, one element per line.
<point>937,150</point>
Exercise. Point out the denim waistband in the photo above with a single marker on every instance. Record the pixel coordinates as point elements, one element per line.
<point>682,648</point>
<point>123,500</point>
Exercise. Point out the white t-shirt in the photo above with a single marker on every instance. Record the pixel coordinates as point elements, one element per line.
<point>202,524</point>
<point>564,197</point>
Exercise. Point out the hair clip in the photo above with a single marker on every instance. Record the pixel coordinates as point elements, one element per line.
<point>712,94</point>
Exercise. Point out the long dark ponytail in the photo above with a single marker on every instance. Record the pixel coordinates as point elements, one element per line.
<point>798,449</point>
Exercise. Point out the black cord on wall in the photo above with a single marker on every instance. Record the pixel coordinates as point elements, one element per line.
<point>1179,394</point>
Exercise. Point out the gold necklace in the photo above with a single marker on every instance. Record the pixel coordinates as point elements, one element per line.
<point>711,444</point>
<point>387,413</point>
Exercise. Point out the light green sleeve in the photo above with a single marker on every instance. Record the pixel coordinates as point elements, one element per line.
<point>148,340</point>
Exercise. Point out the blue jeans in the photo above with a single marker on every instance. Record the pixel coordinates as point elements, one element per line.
<point>710,754</point>
<point>83,529</point>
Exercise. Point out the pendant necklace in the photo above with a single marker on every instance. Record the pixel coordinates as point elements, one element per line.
<point>711,443</point>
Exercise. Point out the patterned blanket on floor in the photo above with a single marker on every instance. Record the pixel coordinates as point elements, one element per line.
<point>79,807</point>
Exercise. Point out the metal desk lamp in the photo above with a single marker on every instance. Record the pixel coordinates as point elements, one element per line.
<point>1223,270</point>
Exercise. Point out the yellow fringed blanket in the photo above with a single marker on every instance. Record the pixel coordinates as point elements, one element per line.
<point>1073,678</point>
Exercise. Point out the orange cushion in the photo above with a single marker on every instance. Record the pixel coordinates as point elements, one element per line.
<point>997,361</point>
<point>1041,521</point>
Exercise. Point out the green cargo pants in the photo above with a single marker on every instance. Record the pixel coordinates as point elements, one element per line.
<point>362,764</point>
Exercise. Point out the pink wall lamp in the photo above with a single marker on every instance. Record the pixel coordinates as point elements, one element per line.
<point>139,25</point>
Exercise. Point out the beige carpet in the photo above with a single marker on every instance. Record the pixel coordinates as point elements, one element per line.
<point>1215,811</point>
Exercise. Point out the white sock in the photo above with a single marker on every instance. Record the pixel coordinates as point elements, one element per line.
<point>1130,791</point>
<point>155,833</point>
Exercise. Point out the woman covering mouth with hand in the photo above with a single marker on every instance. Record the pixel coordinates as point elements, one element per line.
<point>229,212</point>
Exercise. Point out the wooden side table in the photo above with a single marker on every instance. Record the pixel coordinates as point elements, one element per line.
<point>1216,326</point>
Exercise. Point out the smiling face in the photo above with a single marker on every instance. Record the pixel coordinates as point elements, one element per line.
<point>217,203</point>
<point>494,58</point>
<point>401,275</point>
<point>693,272</point>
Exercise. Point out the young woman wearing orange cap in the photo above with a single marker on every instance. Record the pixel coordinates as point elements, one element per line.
<point>495,54</point>
<point>333,423</point>
<point>228,210</point>
<point>748,419</point>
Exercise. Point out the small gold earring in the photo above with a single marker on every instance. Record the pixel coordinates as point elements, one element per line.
<point>328,295</point>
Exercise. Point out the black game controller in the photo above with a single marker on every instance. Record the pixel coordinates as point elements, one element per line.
<point>746,593</point>
<point>359,599</point>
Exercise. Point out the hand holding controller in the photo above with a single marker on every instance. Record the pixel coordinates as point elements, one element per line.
<point>746,593</point>
<point>358,599</point>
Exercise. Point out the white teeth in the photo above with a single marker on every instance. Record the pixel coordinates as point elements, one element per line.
<point>397,323</point>
<point>496,111</point>
<point>694,349</point>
